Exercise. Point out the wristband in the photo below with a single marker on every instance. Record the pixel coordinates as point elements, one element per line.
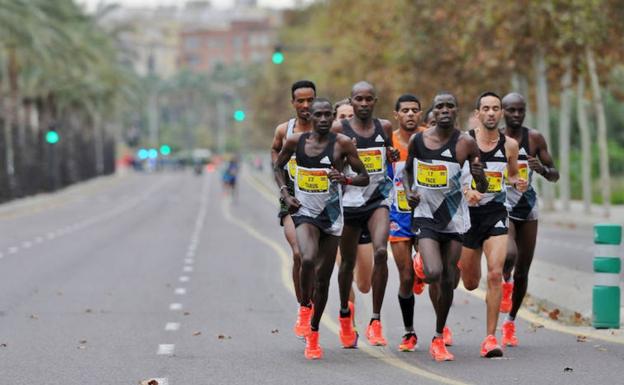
<point>283,187</point>
<point>348,180</point>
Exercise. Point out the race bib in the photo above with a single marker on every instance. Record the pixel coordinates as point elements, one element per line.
<point>292,167</point>
<point>312,180</point>
<point>373,160</point>
<point>400,198</point>
<point>523,172</point>
<point>431,175</point>
<point>495,181</point>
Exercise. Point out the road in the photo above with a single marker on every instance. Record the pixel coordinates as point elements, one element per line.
<point>159,276</point>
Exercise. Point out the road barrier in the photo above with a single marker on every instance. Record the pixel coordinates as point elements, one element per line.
<point>607,267</point>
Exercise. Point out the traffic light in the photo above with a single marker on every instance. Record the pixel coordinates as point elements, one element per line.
<point>239,115</point>
<point>52,136</point>
<point>278,56</point>
<point>143,154</point>
<point>165,149</point>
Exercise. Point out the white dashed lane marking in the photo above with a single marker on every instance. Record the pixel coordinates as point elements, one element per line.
<point>188,269</point>
<point>175,306</point>
<point>184,278</point>
<point>172,326</point>
<point>165,349</point>
<point>180,291</point>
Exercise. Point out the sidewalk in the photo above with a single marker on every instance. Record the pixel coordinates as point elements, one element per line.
<point>576,217</point>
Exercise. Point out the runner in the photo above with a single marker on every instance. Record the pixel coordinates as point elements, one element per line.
<point>366,207</point>
<point>488,214</point>
<point>302,93</point>
<point>433,187</point>
<point>230,174</point>
<point>316,208</point>
<point>407,112</point>
<point>364,258</point>
<point>533,157</point>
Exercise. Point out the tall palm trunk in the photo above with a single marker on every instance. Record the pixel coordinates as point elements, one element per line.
<point>564,134</point>
<point>586,159</point>
<point>543,117</point>
<point>8,122</point>
<point>605,179</point>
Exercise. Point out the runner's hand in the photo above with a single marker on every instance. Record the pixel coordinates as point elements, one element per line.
<point>476,167</point>
<point>413,198</point>
<point>393,154</point>
<point>536,165</point>
<point>336,176</point>
<point>473,197</point>
<point>292,203</point>
<point>521,185</point>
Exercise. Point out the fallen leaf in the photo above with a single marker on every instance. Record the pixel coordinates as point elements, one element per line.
<point>224,337</point>
<point>82,342</point>
<point>554,315</point>
<point>59,293</point>
<point>34,316</point>
<point>567,370</point>
<point>274,331</point>
<point>551,279</point>
<point>187,313</point>
<point>3,345</point>
<point>581,338</point>
<point>88,311</point>
<point>197,334</point>
<point>82,347</point>
<point>148,382</point>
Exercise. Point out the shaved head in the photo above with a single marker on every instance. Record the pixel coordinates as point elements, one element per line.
<point>362,86</point>
<point>513,97</point>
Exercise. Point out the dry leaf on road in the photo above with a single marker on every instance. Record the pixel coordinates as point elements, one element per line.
<point>554,315</point>
<point>197,334</point>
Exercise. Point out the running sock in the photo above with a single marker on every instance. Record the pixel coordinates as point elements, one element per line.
<point>407,311</point>
<point>510,318</point>
<point>375,317</point>
<point>439,335</point>
<point>345,312</point>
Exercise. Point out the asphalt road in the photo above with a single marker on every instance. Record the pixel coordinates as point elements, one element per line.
<point>160,276</point>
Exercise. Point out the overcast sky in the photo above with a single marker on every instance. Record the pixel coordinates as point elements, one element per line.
<point>216,3</point>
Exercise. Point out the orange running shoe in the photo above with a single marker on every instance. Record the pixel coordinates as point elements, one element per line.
<point>438,350</point>
<point>302,326</point>
<point>509,334</point>
<point>409,343</point>
<point>490,347</point>
<point>418,267</point>
<point>313,350</point>
<point>348,336</point>
<point>352,310</point>
<point>447,336</point>
<point>506,302</point>
<point>374,334</point>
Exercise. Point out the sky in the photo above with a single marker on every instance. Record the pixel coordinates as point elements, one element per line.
<point>216,3</point>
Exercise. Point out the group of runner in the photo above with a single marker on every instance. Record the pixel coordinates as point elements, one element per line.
<point>441,197</point>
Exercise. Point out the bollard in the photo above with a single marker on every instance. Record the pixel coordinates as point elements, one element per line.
<point>607,267</point>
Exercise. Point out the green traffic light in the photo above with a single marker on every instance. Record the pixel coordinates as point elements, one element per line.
<point>278,57</point>
<point>165,149</point>
<point>52,137</point>
<point>239,115</point>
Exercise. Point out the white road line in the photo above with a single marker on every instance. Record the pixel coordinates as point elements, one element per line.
<point>184,278</point>
<point>51,235</point>
<point>180,291</point>
<point>188,269</point>
<point>38,239</point>
<point>175,306</point>
<point>13,249</point>
<point>190,254</point>
<point>165,349</point>
<point>1,255</point>
<point>26,244</point>
<point>172,326</point>
<point>189,261</point>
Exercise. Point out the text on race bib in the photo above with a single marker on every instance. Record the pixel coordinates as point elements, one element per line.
<point>432,175</point>
<point>292,167</point>
<point>495,181</point>
<point>312,180</point>
<point>372,160</point>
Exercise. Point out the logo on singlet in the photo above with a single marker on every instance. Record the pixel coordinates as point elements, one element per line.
<point>446,153</point>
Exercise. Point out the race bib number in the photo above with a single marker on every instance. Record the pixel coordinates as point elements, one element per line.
<point>431,175</point>
<point>401,201</point>
<point>292,167</point>
<point>523,172</point>
<point>312,180</point>
<point>373,160</point>
<point>495,181</point>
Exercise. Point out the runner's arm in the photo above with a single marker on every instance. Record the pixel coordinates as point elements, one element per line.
<point>408,174</point>
<point>282,159</point>
<point>278,140</point>
<point>476,167</point>
<point>543,164</point>
<point>392,153</point>
<point>511,149</point>
<point>353,159</point>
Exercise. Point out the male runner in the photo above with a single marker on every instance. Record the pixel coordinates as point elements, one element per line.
<point>488,214</point>
<point>302,93</point>
<point>364,257</point>
<point>433,186</point>
<point>533,157</point>
<point>407,112</point>
<point>366,207</point>
<point>316,208</point>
